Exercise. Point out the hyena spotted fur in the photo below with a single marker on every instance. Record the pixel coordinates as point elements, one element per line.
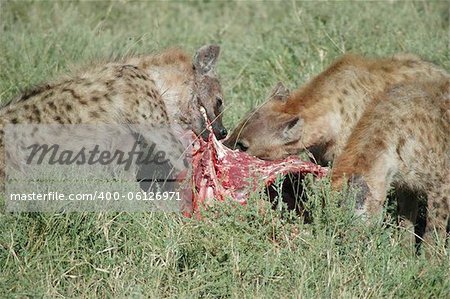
<point>320,116</point>
<point>168,89</point>
<point>403,141</point>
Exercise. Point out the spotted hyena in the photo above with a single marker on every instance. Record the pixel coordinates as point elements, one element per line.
<point>402,141</point>
<point>169,89</point>
<point>320,116</point>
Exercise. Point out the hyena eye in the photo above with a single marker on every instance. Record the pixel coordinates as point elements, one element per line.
<point>241,146</point>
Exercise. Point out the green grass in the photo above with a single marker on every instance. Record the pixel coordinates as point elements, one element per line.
<point>234,251</point>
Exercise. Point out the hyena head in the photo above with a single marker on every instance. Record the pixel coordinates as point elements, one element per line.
<point>207,100</point>
<point>269,132</point>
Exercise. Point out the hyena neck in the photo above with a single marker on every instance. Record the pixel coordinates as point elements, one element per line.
<point>330,115</point>
<point>175,87</point>
<point>323,135</point>
<point>172,73</point>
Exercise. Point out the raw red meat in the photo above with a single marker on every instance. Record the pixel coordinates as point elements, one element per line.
<point>219,173</point>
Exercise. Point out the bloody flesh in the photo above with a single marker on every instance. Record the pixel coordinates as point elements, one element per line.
<point>219,173</point>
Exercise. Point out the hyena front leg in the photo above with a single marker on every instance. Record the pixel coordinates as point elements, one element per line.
<point>164,170</point>
<point>438,213</point>
<point>162,144</point>
<point>371,182</point>
<point>411,216</point>
<point>2,177</point>
<point>407,206</point>
<point>371,195</point>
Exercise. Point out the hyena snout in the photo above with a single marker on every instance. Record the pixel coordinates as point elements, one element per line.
<point>220,131</point>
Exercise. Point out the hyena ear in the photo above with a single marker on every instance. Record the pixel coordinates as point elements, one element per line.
<point>292,129</point>
<point>280,92</point>
<point>205,59</point>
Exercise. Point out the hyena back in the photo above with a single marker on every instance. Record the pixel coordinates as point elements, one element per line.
<point>165,90</point>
